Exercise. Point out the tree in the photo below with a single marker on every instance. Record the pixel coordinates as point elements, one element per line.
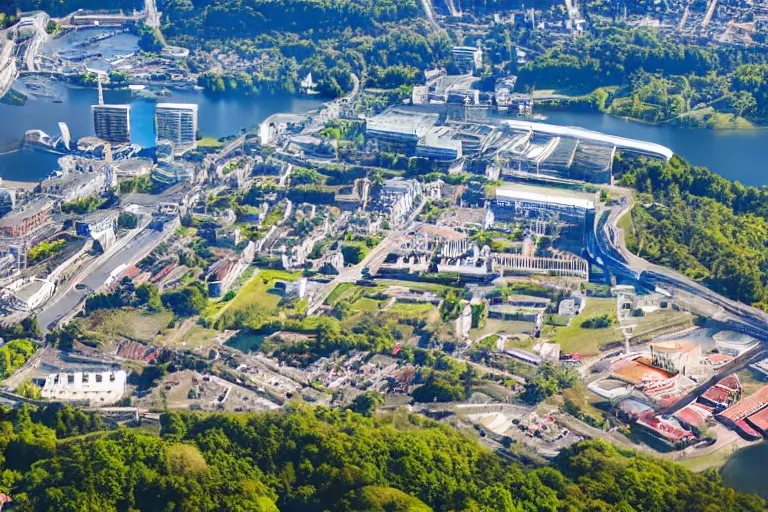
<point>188,301</point>
<point>149,295</point>
<point>367,403</point>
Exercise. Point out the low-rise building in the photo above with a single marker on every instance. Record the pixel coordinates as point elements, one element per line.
<point>398,197</point>
<point>676,356</point>
<point>27,294</point>
<point>94,388</point>
<point>77,185</point>
<point>467,58</point>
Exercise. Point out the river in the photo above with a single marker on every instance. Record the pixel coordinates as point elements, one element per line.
<point>736,154</point>
<point>747,471</point>
<point>217,117</point>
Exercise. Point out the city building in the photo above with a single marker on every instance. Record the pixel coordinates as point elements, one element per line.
<point>398,197</point>
<point>27,219</point>
<point>132,167</point>
<point>467,58</point>
<point>526,200</point>
<point>504,89</point>
<point>74,186</point>
<point>438,144</point>
<point>420,95</point>
<point>27,294</point>
<point>7,200</point>
<point>112,123</point>
<point>170,173</point>
<point>100,226</point>
<point>399,130</point>
<point>222,275</point>
<point>176,123</point>
<point>93,388</point>
<point>676,356</point>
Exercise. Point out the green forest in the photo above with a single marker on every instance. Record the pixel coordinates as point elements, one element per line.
<point>385,43</point>
<point>57,459</point>
<point>638,73</point>
<point>709,228</point>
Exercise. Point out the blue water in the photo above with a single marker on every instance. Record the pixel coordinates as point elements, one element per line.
<point>736,154</point>
<point>217,117</point>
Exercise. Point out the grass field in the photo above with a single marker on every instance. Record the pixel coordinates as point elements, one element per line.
<point>414,285</point>
<point>625,223</point>
<point>137,325</point>
<point>367,305</point>
<point>575,338</point>
<point>749,381</point>
<point>209,142</point>
<point>412,310</point>
<point>503,327</point>
<point>257,290</point>
<point>200,337</point>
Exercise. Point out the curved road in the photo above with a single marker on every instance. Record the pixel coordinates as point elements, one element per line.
<point>609,246</point>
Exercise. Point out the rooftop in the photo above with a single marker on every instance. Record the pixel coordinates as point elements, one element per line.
<point>443,232</point>
<point>546,195</point>
<point>176,106</point>
<point>580,133</point>
<point>672,346</point>
<point>397,121</point>
<point>26,211</point>
<point>750,405</point>
<point>760,420</point>
<point>637,371</point>
<point>440,137</point>
<point>111,107</point>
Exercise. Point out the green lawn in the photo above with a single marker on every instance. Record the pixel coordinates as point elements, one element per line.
<point>209,142</point>
<point>575,338</point>
<point>625,223</point>
<point>339,293</point>
<point>137,325</point>
<point>411,310</point>
<point>503,327</point>
<point>257,290</point>
<point>414,285</point>
<point>366,305</point>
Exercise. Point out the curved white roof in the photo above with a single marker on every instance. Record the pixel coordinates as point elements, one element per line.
<point>581,133</point>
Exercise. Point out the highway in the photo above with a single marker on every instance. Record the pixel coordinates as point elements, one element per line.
<point>608,246</point>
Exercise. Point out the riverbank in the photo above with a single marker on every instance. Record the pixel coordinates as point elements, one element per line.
<point>706,118</point>
<point>715,456</point>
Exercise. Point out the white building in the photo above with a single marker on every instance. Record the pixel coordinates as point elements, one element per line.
<point>176,123</point>
<point>96,388</point>
<point>399,197</point>
<point>438,144</point>
<point>27,294</point>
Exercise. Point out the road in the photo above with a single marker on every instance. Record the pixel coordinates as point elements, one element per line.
<point>608,245</point>
<point>8,70</point>
<point>33,46</point>
<point>429,11</point>
<point>372,260</point>
<point>131,250</point>
<point>153,17</point>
